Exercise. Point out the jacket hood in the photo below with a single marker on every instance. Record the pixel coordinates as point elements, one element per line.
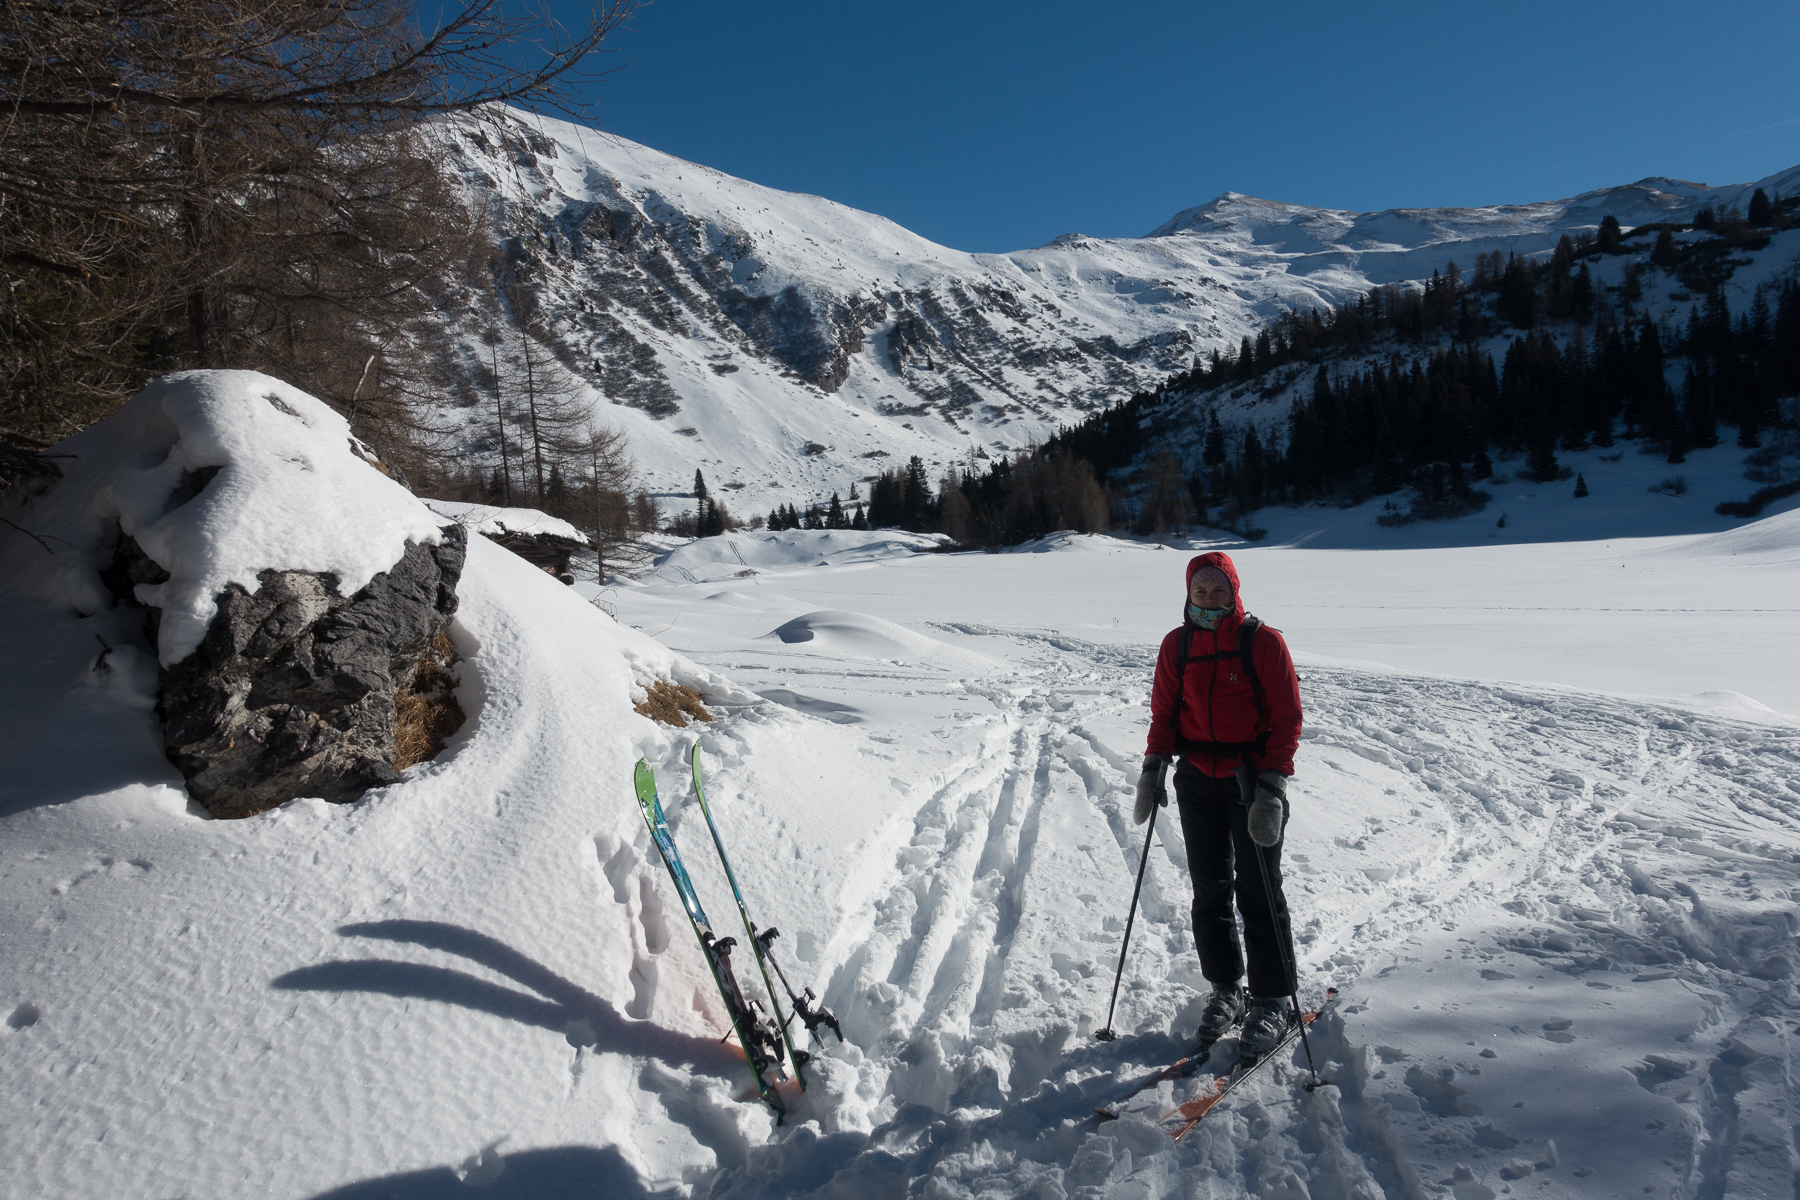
<point>1221,560</point>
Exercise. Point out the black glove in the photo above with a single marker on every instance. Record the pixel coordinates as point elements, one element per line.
<point>1150,788</point>
<point>1268,811</point>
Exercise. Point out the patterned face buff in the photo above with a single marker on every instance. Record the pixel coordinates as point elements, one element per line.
<point>1206,618</point>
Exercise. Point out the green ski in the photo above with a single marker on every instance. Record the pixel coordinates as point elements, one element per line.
<point>762,1047</point>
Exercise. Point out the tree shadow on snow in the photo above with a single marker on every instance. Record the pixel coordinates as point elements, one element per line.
<point>559,1005</point>
<point>551,1174</point>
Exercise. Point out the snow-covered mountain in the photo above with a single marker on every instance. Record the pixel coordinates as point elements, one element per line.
<point>789,345</point>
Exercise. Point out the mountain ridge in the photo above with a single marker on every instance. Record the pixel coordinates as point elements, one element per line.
<point>790,346</point>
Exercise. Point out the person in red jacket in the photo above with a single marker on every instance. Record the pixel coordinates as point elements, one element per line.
<point>1234,735</point>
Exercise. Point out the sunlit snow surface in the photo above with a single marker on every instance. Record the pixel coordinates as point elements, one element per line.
<point>1545,840</point>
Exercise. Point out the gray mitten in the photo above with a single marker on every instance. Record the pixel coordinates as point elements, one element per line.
<point>1151,790</point>
<point>1268,812</point>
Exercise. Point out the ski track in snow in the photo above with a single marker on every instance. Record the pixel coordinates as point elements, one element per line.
<point>1503,835</point>
<point>1563,925</point>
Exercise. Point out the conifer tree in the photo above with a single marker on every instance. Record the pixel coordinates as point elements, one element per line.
<point>1697,410</point>
<point>1631,290</point>
<point>1390,473</point>
<point>915,496</point>
<point>1761,211</point>
<point>1581,487</point>
<point>556,492</point>
<point>1540,460</point>
<point>1611,238</point>
<point>1664,254</point>
<point>1214,454</point>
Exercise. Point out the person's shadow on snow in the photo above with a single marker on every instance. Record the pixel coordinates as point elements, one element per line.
<point>559,1005</point>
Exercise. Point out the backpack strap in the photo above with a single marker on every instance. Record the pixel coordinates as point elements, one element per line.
<point>1181,666</point>
<point>1245,639</point>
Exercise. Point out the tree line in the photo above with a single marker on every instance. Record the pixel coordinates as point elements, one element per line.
<point>1505,292</point>
<point>1431,412</point>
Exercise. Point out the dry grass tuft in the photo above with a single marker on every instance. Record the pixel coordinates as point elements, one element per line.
<point>426,711</point>
<point>672,704</point>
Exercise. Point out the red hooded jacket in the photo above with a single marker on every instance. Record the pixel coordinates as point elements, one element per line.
<point>1219,705</point>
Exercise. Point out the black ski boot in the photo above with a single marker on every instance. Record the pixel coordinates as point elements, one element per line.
<point>1266,1018</point>
<point>1224,1009</point>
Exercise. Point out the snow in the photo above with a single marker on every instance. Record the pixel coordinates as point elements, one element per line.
<point>1547,822</point>
<point>294,491</point>
<point>499,520</point>
<point>744,554</point>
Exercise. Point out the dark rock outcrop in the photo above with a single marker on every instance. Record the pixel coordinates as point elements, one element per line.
<point>292,691</point>
<point>545,551</point>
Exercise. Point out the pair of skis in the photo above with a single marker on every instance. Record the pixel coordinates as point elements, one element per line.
<point>1180,1121</point>
<point>766,1041</point>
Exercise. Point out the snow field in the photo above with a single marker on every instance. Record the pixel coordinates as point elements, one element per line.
<point>1470,862</point>
<point>393,986</point>
<point>921,761</point>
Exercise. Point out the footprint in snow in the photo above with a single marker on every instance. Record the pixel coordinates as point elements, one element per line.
<point>23,1017</point>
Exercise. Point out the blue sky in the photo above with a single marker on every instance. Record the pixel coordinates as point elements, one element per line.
<point>998,125</point>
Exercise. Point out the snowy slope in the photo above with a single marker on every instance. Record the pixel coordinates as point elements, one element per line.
<point>1545,841</point>
<point>788,345</point>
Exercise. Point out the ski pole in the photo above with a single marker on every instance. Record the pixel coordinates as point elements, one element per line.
<point>1107,1034</point>
<point>1286,944</point>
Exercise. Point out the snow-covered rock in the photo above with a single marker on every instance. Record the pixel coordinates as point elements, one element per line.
<point>292,587</point>
<point>498,521</point>
<point>544,541</point>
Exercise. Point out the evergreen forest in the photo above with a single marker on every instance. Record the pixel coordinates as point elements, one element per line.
<point>1415,390</point>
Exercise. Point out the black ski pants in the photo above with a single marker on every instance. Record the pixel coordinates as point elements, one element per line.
<point>1225,863</point>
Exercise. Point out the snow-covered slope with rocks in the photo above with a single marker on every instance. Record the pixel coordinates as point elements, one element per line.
<point>789,345</point>
<point>1544,842</point>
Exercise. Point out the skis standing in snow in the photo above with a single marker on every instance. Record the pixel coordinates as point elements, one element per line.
<point>1226,704</point>
<point>762,1042</point>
